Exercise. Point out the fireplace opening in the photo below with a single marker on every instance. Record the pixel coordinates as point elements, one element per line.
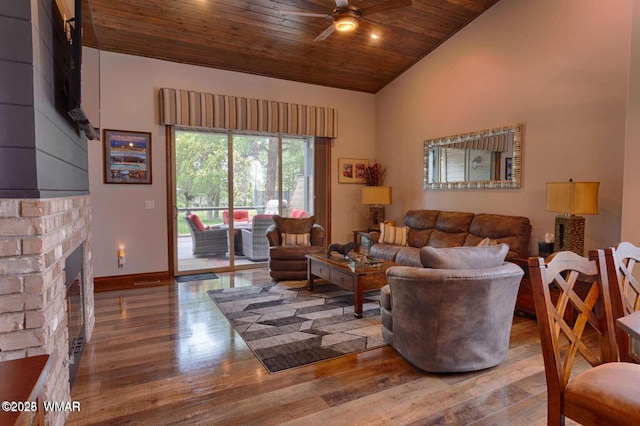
<point>75,309</point>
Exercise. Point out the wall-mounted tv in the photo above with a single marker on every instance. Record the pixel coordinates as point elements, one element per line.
<point>68,68</point>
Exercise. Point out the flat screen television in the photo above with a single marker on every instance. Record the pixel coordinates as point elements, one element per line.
<point>68,60</point>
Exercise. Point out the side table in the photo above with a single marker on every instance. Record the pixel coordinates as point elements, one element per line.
<point>364,240</point>
<point>22,382</point>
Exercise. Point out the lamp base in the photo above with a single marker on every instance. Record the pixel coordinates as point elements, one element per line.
<point>376,216</point>
<point>570,234</point>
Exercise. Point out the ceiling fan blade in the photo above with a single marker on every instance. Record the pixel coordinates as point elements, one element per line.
<point>385,7</point>
<point>326,33</point>
<point>342,3</point>
<point>317,15</point>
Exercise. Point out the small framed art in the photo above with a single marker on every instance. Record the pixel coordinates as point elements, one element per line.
<point>508,168</point>
<point>127,157</point>
<point>352,170</point>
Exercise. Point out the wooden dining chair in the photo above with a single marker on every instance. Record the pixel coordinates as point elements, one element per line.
<point>608,393</point>
<point>624,288</point>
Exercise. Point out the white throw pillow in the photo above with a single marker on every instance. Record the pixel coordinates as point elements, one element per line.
<point>391,234</point>
<point>296,239</point>
<point>487,242</point>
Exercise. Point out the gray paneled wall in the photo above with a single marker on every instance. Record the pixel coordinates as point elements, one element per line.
<point>41,154</point>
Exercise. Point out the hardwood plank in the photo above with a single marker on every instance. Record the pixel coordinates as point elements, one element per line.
<point>167,355</point>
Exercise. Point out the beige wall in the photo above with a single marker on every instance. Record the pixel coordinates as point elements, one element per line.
<point>128,101</point>
<point>559,66</point>
<point>631,193</point>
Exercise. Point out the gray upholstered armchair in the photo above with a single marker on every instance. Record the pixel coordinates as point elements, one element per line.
<point>455,319</point>
<point>290,240</point>
<point>254,241</point>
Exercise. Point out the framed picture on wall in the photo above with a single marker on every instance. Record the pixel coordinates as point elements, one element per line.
<point>351,170</point>
<point>508,168</point>
<point>127,157</point>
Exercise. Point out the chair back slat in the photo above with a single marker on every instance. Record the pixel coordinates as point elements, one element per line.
<point>566,323</point>
<point>624,257</point>
<point>624,288</point>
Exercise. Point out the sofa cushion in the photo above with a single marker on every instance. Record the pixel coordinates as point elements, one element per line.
<point>421,219</point>
<point>454,222</point>
<point>409,256</point>
<point>421,224</point>
<point>446,239</point>
<point>392,234</point>
<point>384,251</point>
<point>289,225</point>
<point>512,230</point>
<point>293,253</point>
<point>195,219</point>
<point>463,257</point>
<point>418,237</point>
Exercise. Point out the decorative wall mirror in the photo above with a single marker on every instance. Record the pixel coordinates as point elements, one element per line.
<point>490,158</point>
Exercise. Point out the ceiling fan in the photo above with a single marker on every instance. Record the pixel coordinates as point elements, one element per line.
<point>347,18</point>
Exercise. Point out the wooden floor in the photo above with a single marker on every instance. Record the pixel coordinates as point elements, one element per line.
<point>166,355</point>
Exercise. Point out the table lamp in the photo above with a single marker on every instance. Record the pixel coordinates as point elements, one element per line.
<point>571,199</point>
<point>377,197</point>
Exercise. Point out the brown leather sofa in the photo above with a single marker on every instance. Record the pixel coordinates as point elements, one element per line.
<point>289,262</point>
<point>439,229</point>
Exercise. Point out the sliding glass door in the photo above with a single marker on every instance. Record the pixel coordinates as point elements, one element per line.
<point>202,194</point>
<point>228,187</point>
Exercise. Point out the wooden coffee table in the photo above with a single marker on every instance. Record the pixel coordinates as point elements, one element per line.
<point>342,273</point>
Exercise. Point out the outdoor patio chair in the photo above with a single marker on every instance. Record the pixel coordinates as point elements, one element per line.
<point>206,241</point>
<point>255,244</point>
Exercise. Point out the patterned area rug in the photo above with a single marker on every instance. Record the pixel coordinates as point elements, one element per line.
<point>287,326</point>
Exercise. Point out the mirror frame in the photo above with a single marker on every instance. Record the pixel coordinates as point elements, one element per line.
<point>518,132</point>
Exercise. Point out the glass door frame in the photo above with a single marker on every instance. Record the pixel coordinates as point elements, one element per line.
<point>173,213</point>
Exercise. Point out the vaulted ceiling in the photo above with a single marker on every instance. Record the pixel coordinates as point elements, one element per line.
<point>256,37</point>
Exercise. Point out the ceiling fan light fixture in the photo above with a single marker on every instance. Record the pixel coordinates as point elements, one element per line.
<point>346,23</point>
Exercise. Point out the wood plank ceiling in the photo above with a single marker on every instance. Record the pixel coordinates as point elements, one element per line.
<point>255,37</point>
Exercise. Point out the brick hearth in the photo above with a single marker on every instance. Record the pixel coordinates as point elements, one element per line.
<point>36,236</point>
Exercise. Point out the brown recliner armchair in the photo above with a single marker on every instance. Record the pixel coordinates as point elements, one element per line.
<point>290,240</point>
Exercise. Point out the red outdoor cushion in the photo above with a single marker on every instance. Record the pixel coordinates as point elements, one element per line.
<point>238,216</point>
<point>298,213</point>
<point>196,221</point>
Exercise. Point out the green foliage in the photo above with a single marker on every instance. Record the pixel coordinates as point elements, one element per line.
<point>202,168</point>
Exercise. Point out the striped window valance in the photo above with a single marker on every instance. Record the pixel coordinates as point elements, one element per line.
<point>196,109</point>
<point>498,139</point>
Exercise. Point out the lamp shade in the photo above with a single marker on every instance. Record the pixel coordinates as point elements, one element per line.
<point>572,198</point>
<point>377,195</point>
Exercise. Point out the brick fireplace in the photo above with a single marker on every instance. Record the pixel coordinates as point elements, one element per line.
<point>36,238</point>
